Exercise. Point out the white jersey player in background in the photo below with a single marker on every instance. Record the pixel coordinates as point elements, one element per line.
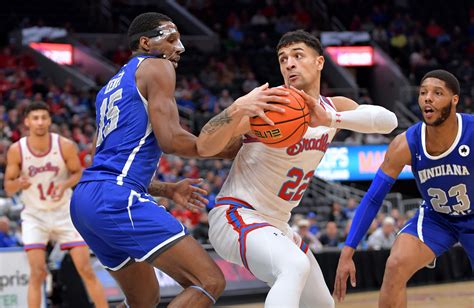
<point>249,225</point>
<point>44,167</point>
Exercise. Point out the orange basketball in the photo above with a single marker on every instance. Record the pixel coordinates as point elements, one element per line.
<point>289,127</point>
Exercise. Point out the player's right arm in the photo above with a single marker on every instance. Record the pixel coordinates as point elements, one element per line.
<point>234,120</point>
<point>398,155</point>
<point>13,181</point>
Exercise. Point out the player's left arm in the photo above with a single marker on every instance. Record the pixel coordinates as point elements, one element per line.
<point>70,155</point>
<point>351,116</point>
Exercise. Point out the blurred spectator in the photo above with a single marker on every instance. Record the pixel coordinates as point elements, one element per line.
<point>350,209</point>
<point>337,214</point>
<point>7,239</point>
<point>330,236</point>
<point>308,237</point>
<point>383,237</point>
<point>313,226</point>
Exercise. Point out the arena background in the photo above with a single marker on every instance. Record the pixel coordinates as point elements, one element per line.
<point>62,52</point>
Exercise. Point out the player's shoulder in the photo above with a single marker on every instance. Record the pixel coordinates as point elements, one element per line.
<point>14,151</point>
<point>468,118</point>
<point>66,143</point>
<point>153,65</point>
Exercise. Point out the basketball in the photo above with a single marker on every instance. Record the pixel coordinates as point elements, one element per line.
<point>289,127</point>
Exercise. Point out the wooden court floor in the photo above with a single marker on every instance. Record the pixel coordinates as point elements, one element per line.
<point>458,295</point>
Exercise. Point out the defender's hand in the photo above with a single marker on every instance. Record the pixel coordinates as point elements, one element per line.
<point>345,269</point>
<point>189,196</point>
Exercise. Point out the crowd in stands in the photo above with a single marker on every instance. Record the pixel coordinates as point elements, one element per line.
<point>208,84</point>
<point>419,40</point>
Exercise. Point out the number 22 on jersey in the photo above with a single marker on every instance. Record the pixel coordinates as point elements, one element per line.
<point>294,188</point>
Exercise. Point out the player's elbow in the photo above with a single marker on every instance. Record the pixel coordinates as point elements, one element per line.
<point>203,148</point>
<point>205,151</point>
<point>385,121</point>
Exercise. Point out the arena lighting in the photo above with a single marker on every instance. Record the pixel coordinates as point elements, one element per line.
<point>352,55</point>
<point>59,53</point>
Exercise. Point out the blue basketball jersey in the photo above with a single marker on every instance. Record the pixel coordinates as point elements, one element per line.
<point>127,150</point>
<point>446,181</point>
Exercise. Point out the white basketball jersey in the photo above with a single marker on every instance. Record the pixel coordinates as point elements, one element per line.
<point>44,173</point>
<point>273,180</point>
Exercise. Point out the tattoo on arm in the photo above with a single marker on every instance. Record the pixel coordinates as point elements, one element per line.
<point>159,189</point>
<point>216,122</point>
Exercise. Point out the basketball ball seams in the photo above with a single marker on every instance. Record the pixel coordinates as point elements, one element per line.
<point>281,122</point>
<point>286,106</point>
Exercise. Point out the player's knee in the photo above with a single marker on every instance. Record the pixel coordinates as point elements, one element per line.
<point>395,268</point>
<point>38,274</point>
<point>86,271</point>
<point>214,283</point>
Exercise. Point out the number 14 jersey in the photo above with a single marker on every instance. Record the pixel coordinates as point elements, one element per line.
<point>273,180</point>
<point>44,172</point>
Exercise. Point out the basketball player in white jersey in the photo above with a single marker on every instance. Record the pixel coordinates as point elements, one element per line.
<point>249,225</point>
<point>44,167</point>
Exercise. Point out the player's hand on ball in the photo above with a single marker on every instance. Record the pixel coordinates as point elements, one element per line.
<point>345,269</point>
<point>256,102</point>
<point>24,182</point>
<point>319,116</point>
<point>189,196</point>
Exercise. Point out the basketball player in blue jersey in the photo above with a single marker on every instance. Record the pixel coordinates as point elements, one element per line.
<point>112,207</point>
<point>439,152</point>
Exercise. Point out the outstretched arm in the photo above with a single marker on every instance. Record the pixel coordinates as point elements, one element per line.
<point>351,116</point>
<point>398,155</point>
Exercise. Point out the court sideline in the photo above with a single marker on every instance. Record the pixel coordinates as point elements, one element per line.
<point>459,295</point>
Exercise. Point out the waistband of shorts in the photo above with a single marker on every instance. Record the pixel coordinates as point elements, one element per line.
<point>128,185</point>
<point>234,202</point>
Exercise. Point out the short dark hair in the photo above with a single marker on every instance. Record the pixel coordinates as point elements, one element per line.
<point>36,106</point>
<point>300,36</point>
<point>452,83</point>
<point>143,23</point>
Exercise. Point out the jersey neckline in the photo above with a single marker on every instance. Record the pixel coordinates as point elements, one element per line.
<point>451,148</point>
<point>35,154</point>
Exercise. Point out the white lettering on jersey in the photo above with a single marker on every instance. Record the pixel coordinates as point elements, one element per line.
<point>442,170</point>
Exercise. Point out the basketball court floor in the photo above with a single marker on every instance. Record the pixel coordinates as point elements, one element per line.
<point>459,295</point>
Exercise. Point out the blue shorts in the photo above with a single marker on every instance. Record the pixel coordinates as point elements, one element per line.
<point>440,232</point>
<point>122,225</point>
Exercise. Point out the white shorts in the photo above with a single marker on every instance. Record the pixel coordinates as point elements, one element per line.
<point>229,226</point>
<point>40,226</point>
